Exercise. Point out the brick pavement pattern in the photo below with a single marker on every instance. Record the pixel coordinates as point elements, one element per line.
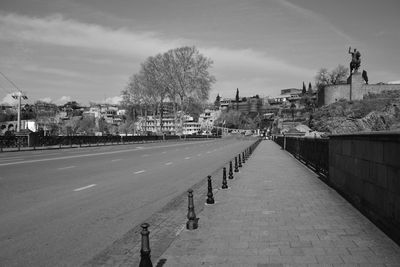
<point>277,212</point>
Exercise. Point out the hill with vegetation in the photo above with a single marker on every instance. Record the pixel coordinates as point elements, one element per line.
<point>376,112</point>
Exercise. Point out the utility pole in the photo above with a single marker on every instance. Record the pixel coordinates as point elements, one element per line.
<point>18,95</point>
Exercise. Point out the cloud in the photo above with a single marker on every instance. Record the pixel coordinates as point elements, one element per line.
<point>55,30</point>
<point>316,17</point>
<point>113,100</point>
<point>63,100</point>
<point>46,99</point>
<point>244,68</point>
<point>9,100</point>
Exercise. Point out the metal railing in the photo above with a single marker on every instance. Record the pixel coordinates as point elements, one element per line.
<point>36,141</point>
<point>314,152</point>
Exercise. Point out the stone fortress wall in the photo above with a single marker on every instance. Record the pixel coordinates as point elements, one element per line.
<point>358,89</point>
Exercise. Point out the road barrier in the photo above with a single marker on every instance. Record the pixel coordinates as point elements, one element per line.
<point>34,141</point>
<point>224,182</point>
<point>192,222</point>
<point>236,165</point>
<point>145,260</point>
<point>210,196</point>
<point>230,170</point>
<point>240,161</point>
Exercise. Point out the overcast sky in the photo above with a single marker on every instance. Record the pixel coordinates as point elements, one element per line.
<point>85,50</point>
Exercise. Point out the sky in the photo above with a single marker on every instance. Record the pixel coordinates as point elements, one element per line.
<point>86,50</point>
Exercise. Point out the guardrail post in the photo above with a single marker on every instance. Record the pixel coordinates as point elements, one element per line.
<point>240,161</point>
<point>210,196</point>
<point>192,222</point>
<point>224,182</point>
<point>236,165</point>
<point>230,170</point>
<point>145,260</point>
<point>243,158</point>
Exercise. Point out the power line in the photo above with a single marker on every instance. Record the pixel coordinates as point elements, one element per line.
<point>10,81</point>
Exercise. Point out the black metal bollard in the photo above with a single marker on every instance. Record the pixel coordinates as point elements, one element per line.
<point>236,165</point>
<point>243,158</point>
<point>230,170</point>
<point>240,161</point>
<point>145,260</point>
<point>192,222</point>
<point>210,196</point>
<point>224,182</point>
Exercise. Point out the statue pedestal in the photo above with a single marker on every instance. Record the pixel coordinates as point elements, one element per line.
<point>356,83</point>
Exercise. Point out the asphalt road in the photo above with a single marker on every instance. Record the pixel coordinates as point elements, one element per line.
<point>61,207</point>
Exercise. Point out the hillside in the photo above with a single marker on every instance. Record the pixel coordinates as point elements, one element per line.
<point>376,112</point>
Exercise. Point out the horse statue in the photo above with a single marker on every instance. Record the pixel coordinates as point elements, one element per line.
<point>355,60</point>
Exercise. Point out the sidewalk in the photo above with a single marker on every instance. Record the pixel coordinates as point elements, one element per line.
<point>276,212</point>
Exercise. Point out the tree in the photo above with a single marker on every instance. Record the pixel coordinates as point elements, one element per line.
<point>217,101</point>
<point>237,98</point>
<point>304,91</point>
<point>181,73</point>
<point>310,91</point>
<point>336,76</point>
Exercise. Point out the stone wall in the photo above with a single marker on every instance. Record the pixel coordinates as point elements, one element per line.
<point>332,93</point>
<point>365,168</point>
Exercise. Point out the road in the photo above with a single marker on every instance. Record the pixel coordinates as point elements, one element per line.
<point>61,207</point>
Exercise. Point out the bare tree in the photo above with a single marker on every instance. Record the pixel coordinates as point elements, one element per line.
<point>179,74</point>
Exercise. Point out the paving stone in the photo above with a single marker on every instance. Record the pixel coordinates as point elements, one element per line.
<point>278,213</point>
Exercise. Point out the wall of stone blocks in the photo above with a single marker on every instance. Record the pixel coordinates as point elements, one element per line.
<point>333,93</point>
<point>365,168</point>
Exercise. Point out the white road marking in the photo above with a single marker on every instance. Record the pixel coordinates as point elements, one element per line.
<point>114,160</point>
<point>180,229</point>
<point>139,147</point>
<point>66,168</point>
<point>168,163</point>
<point>85,187</point>
<point>208,152</point>
<point>145,155</point>
<point>142,171</point>
<point>199,154</point>
<point>188,157</point>
<point>164,152</point>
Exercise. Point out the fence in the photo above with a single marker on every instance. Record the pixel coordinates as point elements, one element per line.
<point>313,151</point>
<point>34,140</point>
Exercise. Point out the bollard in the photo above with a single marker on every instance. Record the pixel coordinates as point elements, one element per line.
<point>236,165</point>
<point>210,196</point>
<point>230,170</point>
<point>243,158</point>
<point>192,222</point>
<point>240,161</point>
<point>224,183</point>
<point>145,260</point>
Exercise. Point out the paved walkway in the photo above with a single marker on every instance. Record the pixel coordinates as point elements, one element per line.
<point>278,213</point>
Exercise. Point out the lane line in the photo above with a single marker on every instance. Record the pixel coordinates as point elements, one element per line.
<point>85,187</point>
<point>66,168</point>
<point>145,155</point>
<point>188,157</point>
<point>208,152</point>
<point>114,160</point>
<point>168,163</point>
<point>199,154</point>
<point>142,171</point>
<point>164,152</point>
